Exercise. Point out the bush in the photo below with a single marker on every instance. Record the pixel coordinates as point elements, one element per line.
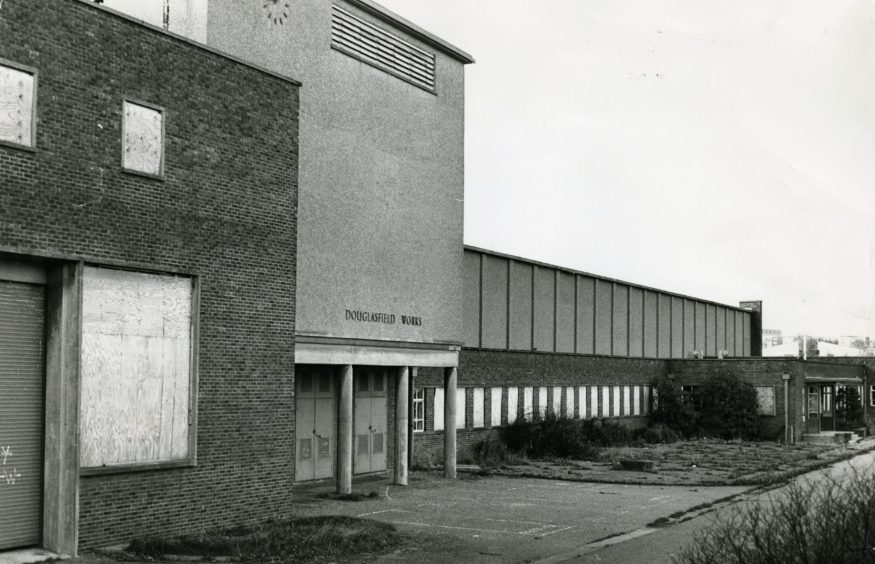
<point>823,518</point>
<point>849,408</point>
<point>723,407</point>
<point>554,436</point>
<point>659,433</point>
<point>490,453</point>
<point>670,409</point>
<point>727,408</point>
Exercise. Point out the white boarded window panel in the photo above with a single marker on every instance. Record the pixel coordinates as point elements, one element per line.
<point>438,409</point>
<point>528,393</point>
<point>495,414</point>
<point>616,412</point>
<point>606,401</point>
<point>136,367</point>
<point>381,49</point>
<point>581,402</point>
<point>636,400</point>
<point>460,408</point>
<point>479,406</point>
<point>594,401</point>
<point>143,143</point>
<point>569,402</point>
<point>17,94</point>
<point>557,400</point>
<point>627,407</point>
<point>512,404</point>
<point>645,390</point>
<point>542,400</point>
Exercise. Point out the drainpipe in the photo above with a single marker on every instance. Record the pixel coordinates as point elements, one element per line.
<point>787,434</point>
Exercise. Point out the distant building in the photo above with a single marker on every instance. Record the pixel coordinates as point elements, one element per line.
<point>771,337</point>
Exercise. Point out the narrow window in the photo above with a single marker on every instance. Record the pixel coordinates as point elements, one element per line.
<point>438,409</point>
<point>461,419</point>
<point>419,410</point>
<point>495,412</point>
<point>512,404</point>
<point>478,407</point>
<point>569,402</point>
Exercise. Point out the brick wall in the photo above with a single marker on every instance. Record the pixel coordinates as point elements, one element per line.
<point>225,212</point>
<point>502,369</point>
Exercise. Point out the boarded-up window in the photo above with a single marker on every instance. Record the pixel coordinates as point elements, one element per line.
<point>557,400</point>
<point>439,409</point>
<point>17,104</point>
<point>636,400</point>
<point>581,402</point>
<point>569,402</point>
<point>626,401</point>
<point>136,368</point>
<point>542,401</point>
<point>495,407</point>
<point>478,407</point>
<point>512,405</point>
<point>528,393</point>
<point>766,399</point>
<point>143,139</point>
<point>460,408</point>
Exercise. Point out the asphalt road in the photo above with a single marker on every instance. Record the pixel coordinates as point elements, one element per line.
<point>499,519</point>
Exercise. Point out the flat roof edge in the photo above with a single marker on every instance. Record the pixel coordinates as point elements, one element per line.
<point>411,28</point>
<point>184,39</point>
<point>600,277</point>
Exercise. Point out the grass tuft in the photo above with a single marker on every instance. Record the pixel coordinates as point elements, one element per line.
<point>301,539</point>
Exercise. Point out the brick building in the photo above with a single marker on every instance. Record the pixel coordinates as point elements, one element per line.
<point>147,230</point>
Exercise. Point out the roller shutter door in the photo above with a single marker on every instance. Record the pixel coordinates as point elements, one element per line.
<point>22,354</point>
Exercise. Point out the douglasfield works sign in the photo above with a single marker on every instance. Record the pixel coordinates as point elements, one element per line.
<point>379,317</point>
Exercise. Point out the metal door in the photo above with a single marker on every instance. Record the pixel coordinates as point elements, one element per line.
<point>314,428</point>
<point>22,379</point>
<point>370,420</point>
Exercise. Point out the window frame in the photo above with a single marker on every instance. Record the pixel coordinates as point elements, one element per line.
<point>191,460</point>
<point>33,111</point>
<point>417,419</point>
<point>161,110</point>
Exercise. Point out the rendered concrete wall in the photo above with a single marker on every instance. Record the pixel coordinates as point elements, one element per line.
<point>381,175</point>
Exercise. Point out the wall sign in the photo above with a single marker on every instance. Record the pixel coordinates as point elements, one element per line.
<point>379,317</point>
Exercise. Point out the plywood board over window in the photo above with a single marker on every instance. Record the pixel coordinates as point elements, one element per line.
<point>143,139</point>
<point>137,370</point>
<point>17,105</point>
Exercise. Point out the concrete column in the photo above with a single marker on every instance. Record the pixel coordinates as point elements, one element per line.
<point>450,376</point>
<point>344,432</point>
<point>402,379</point>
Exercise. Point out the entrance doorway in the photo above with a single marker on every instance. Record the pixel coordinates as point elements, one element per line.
<point>812,421</point>
<point>370,420</point>
<point>22,391</point>
<point>315,423</point>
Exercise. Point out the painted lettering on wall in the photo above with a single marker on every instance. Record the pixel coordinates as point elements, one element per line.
<point>6,474</point>
<point>385,318</point>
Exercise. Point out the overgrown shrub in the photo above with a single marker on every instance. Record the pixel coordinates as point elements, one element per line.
<point>724,407</point>
<point>563,437</point>
<point>670,409</point>
<point>659,433</point>
<point>821,519</point>
<point>849,408</point>
<point>490,453</point>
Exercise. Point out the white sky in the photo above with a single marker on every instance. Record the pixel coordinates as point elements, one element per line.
<point>720,149</point>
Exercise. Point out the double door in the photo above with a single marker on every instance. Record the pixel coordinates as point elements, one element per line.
<point>315,435</point>
<point>370,420</point>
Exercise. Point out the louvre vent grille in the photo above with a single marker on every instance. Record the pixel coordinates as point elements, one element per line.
<point>374,46</point>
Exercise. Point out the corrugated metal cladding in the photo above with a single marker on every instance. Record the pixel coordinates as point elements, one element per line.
<point>22,369</point>
<point>379,48</point>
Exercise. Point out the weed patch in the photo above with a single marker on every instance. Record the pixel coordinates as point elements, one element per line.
<point>304,539</point>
